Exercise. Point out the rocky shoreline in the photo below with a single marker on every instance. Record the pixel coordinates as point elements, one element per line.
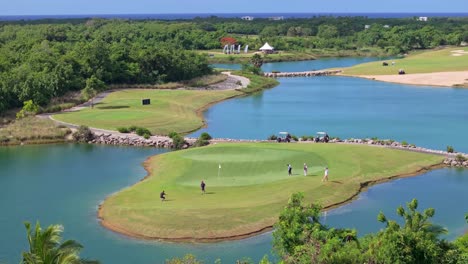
<point>301,74</point>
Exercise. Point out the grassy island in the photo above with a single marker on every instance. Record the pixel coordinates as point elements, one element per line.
<point>444,60</point>
<point>444,67</point>
<point>251,188</point>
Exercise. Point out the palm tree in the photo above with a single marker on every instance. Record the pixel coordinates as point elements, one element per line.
<point>414,220</point>
<point>45,247</point>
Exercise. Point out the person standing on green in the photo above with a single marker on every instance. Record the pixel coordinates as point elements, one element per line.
<point>325,175</point>
<point>202,186</point>
<point>305,169</point>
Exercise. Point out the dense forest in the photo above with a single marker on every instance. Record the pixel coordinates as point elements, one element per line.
<point>42,59</point>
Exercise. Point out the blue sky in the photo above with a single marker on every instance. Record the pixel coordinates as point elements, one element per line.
<point>57,7</point>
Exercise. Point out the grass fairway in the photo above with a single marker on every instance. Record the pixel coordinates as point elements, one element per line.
<point>170,110</point>
<point>251,189</point>
<point>445,60</point>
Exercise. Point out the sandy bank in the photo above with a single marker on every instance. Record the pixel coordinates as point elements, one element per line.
<point>445,79</point>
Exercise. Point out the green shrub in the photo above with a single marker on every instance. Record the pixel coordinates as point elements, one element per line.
<point>404,143</point>
<point>132,128</point>
<point>172,134</point>
<point>205,136</point>
<point>123,130</point>
<point>450,149</point>
<point>272,137</point>
<point>83,134</point>
<point>141,131</point>
<point>178,142</point>
<point>146,135</point>
<point>294,138</point>
<point>201,142</point>
<point>460,158</point>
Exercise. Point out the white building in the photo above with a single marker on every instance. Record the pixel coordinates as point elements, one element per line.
<point>422,19</point>
<point>248,18</point>
<point>366,26</point>
<point>386,26</point>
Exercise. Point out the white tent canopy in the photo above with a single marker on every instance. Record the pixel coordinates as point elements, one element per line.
<point>266,47</point>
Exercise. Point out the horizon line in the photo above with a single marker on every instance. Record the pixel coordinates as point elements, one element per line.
<point>214,13</point>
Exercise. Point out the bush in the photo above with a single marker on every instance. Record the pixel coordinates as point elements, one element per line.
<point>294,138</point>
<point>83,134</point>
<point>404,143</point>
<point>178,141</point>
<point>450,149</point>
<point>146,135</point>
<point>172,134</point>
<point>201,142</point>
<point>205,136</point>
<point>272,137</point>
<point>460,158</point>
<point>132,128</point>
<point>123,130</point>
<point>142,131</point>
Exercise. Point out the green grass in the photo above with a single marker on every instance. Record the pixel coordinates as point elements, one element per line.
<point>170,110</point>
<point>424,62</point>
<point>251,188</point>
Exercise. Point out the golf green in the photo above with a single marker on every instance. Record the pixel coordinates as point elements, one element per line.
<point>247,184</point>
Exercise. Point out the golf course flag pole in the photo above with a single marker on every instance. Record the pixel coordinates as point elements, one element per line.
<point>219,169</point>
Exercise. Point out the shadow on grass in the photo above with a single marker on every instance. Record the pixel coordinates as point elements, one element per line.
<point>113,107</point>
<point>210,193</point>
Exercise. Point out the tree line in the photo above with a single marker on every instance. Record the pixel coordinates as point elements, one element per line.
<point>43,59</point>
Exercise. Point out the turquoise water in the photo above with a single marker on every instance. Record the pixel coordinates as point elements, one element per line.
<point>347,107</point>
<point>65,183</point>
<point>442,189</point>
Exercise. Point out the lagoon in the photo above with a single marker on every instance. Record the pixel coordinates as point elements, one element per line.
<point>347,107</point>
<point>65,183</point>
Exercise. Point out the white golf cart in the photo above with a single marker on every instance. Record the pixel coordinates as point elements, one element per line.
<point>322,137</point>
<point>283,137</point>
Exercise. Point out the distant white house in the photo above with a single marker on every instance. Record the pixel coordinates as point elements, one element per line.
<point>422,19</point>
<point>266,48</point>
<point>366,26</point>
<point>386,26</point>
<point>248,18</point>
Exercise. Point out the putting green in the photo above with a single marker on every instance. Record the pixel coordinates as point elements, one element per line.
<point>248,192</point>
<point>262,165</point>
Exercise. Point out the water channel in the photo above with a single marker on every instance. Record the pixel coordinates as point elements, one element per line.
<point>65,183</point>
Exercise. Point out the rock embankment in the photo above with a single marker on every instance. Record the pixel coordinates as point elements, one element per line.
<point>134,140</point>
<point>301,74</point>
<point>458,161</point>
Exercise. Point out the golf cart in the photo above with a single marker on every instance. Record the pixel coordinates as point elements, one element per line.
<point>322,137</point>
<point>283,137</point>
